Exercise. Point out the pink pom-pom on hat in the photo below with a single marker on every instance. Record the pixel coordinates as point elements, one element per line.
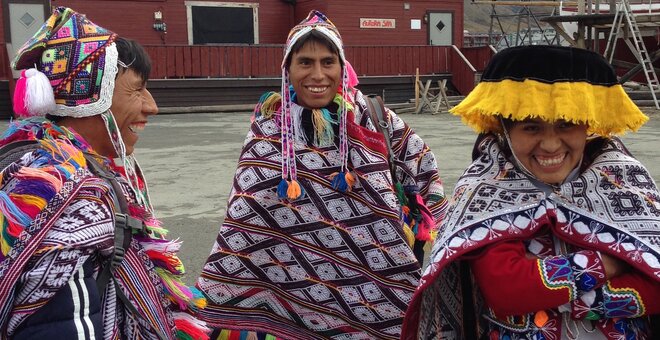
<point>33,94</point>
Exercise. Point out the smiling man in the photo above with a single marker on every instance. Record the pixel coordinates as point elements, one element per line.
<point>83,256</point>
<point>314,243</point>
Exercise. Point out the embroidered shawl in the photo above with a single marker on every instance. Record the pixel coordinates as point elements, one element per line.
<point>330,264</point>
<point>613,206</point>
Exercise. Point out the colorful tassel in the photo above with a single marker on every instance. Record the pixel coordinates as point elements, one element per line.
<point>30,205</point>
<point>282,188</point>
<point>426,224</point>
<point>269,104</point>
<point>189,328</point>
<point>234,335</point>
<point>159,245</point>
<point>54,184</point>
<point>410,235</point>
<point>33,95</point>
<point>352,76</point>
<point>11,212</point>
<point>400,194</point>
<point>224,334</point>
<point>185,297</point>
<point>322,122</point>
<point>294,191</point>
<point>168,261</point>
<point>350,180</point>
<point>339,181</point>
<point>19,104</point>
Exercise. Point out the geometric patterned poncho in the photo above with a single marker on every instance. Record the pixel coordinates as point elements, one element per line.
<point>328,265</point>
<point>613,206</point>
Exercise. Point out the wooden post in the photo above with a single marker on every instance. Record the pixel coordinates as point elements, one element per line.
<point>416,88</point>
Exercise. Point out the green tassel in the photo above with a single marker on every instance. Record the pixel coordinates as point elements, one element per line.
<point>400,194</point>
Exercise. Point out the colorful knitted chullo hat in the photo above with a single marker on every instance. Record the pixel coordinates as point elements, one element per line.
<point>343,180</point>
<point>552,83</point>
<point>79,59</point>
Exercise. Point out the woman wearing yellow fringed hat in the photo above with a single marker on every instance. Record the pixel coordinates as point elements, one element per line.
<point>553,232</point>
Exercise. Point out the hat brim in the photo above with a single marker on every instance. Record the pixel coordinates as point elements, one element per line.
<point>607,110</point>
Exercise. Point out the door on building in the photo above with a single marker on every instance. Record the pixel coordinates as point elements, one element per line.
<point>222,23</point>
<point>25,18</point>
<point>441,28</point>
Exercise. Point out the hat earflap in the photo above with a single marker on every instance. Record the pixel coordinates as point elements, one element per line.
<point>33,94</point>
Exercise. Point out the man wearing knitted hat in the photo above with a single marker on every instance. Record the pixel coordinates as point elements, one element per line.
<point>83,256</point>
<point>554,229</point>
<point>316,242</point>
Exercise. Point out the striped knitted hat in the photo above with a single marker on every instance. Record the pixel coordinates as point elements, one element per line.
<point>79,59</point>
<point>552,83</point>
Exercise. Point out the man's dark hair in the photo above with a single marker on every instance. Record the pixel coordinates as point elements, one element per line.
<point>312,36</point>
<point>134,56</point>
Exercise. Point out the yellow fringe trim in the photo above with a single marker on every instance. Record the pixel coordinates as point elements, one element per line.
<point>607,110</point>
<point>4,246</point>
<point>271,104</point>
<point>410,235</point>
<point>30,200</point>
<point>224,334</point>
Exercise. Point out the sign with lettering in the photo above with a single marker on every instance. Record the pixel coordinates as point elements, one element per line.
<point>377,23</point>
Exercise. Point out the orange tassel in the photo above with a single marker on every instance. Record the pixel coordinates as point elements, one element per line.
<point>294,191</point>
<point>350,180</point>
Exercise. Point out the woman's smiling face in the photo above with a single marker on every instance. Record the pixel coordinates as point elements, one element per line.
<point>550,151</point>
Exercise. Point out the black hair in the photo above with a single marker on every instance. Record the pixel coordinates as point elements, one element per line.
<point>134,56</point>
<point>315,36</point>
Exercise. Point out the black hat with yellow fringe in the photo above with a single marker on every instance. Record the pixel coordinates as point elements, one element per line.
<point>552,83</point>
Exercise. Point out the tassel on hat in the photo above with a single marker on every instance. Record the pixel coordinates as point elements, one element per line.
<point>342,181</point>
<point>33,94</point>
<point>289,186</point>
<point>294,191</point>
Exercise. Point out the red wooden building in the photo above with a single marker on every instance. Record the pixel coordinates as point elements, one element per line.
<point>227,52</point>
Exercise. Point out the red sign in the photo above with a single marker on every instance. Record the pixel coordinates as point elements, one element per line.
<point>377,23</point>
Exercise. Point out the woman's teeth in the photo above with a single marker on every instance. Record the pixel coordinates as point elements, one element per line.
<point>551,161</point>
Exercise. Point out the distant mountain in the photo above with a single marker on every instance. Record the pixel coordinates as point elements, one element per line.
<point>477,17</point>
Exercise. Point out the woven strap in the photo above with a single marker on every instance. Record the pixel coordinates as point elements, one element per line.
<point>380,119</point>
<point>124,227</point>
<point>124,223</point>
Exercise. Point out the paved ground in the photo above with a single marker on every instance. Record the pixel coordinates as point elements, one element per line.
<point>189,161</point>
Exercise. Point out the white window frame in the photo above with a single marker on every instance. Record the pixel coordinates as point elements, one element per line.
<point>253,5</point>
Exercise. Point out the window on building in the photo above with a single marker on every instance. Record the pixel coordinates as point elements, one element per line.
<point>222,23</point>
